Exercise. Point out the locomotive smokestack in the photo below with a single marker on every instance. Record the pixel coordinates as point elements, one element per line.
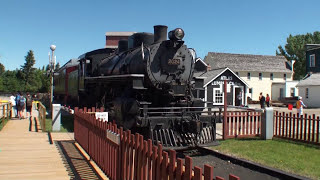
<point>160,33</point>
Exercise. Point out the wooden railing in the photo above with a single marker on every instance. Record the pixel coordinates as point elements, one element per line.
<point>42,115</point>
<point>301,128</point>
<point>5,113</point>
<point>126,156</point>
<point>5,110</point>
<point>242,124</point>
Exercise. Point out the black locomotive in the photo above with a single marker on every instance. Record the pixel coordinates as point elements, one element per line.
<point>146,85</point>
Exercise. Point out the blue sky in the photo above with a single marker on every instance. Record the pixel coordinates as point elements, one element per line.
<point>76,26</point>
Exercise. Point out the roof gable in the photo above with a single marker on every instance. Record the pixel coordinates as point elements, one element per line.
<point>248,62</point>
<point>214,73</point>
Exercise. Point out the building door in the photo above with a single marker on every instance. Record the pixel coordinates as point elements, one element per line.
<point>281,93</point>
<point>238,96</point>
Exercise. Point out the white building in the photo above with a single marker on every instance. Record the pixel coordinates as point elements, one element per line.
<point>267,74</point>
<point>309,90</point>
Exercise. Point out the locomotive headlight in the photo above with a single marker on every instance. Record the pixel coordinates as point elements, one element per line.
<point>176,34</point>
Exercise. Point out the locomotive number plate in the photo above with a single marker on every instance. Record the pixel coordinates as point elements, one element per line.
<point>174,62</point>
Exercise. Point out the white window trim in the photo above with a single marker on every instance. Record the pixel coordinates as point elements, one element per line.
<point>214,95</point>
<point>314,60</point>
<point>235,96</point>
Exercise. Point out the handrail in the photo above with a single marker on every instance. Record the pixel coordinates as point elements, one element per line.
<point>5,109</point>
<point>42,115</point>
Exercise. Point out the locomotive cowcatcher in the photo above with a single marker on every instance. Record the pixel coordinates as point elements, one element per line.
<point>145,85</point>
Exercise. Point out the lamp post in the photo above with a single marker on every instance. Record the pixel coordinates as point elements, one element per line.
<point>52,62</point>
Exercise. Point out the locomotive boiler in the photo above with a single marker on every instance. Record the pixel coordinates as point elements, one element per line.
<point>146,86</point>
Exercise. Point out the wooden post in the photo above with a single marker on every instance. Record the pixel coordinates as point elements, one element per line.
<point>224,111</point>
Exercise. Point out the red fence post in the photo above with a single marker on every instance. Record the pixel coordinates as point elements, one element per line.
<point>172,164</point>
<point>233,177</point>
<point>251,121</point>
<point>309,128</point>
<point>301,126</point>
<point>197,173</point>
<point>276,117</point>
<point>283,121</point>
<point>293,119</point>
<point>286,124</point>
<point>150,154</point>
<point>159,161</point>
<point>188,168</point>
<point>305,127</point>
<point>208,172</point>
<point>224,127</point>
<point>313,125</point>
<point>179,172</point>
<point>154,162</point>
<point>165,166</point>
<point>318,129</point>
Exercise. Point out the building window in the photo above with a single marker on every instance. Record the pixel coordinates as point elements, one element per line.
<point>271,76</point>
<point>307,93</point>
<point>284,76</point>
<point>217,96</point>
<point>312,60</point>
<point>260,76</point>
<point>237,73</point>
<point>248,76</point>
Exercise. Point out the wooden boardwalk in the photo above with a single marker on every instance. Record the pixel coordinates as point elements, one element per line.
<point>28,155</point>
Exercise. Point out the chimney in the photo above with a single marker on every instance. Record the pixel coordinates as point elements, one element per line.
<point>160,33</point>
<point>208,67</point>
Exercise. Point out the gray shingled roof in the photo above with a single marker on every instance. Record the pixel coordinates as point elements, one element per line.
<point>312,80</point>
<point>248,62</point>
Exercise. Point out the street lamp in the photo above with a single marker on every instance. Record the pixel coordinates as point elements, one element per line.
<point>52,62</point>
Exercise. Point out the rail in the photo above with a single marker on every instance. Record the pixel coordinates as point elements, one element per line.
<point>5,113</point>
<point>5,110</point>
<point>42,115</point>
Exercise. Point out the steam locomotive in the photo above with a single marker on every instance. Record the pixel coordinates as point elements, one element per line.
<point>146,86</point>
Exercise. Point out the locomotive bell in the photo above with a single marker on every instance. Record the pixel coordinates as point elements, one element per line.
<point>176,34</point>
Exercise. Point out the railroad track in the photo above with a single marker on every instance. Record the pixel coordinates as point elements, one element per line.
<point>225,164</point>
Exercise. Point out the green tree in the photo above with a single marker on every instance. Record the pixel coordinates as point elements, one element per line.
<point>2,69</point>
<point>57,67</point>
<point>9,82</point>
<point>27,72</point>
<point>295,50</point>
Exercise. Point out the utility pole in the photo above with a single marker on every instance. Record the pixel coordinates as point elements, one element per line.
<point>52,63</point>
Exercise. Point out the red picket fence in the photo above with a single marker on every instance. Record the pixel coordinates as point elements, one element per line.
<point>292,126</point>
<point>126,156</point>
<point>242,124</point>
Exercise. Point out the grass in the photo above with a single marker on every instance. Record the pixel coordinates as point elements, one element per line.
<point>3,122</point>
<point>297,158</point>
<point>66,124</point>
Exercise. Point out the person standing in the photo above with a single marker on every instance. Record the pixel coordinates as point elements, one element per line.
<point>268,100</point>
<point>239,99</point>
<point>262,100</point>
<point>300,105</point>
<point>18,97</point>
<point>13,105</point>
<point>29,105</point>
